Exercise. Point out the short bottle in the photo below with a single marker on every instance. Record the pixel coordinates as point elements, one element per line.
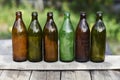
<point>50,39</point>
<point>19,39</point>
<point>34,39</point>
<point>66,40</point>
<point>82,40</point>
<point>98,39</point>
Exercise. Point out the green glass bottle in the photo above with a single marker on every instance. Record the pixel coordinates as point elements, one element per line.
<point>34,39</point>
<point>66,36</point>
<point>98,40</point>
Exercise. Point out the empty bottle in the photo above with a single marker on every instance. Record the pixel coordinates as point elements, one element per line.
<point>19,39</point>
<point>82,40</point>
<point>34,39</point>
<point>66,36</point>
<point>50,39</point>
<point>98,40</point>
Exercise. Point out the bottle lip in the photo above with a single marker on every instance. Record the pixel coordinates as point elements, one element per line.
<point>18,13</point>
<point>66,14</point>
<point>34,13</point>
<point>99,13</point>
<point>82,13</point>
<point>49,13</point>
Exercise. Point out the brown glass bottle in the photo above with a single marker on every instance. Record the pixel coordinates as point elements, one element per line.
<point>82,40</point>
<point>50,39</point>
<point>19,39</point>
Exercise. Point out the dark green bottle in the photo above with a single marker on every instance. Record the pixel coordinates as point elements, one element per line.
<point>66,37</point>
<point>98,40</point>
<point>34,39</point>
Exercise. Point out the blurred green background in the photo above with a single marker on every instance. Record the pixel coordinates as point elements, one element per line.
<point>110,8</point>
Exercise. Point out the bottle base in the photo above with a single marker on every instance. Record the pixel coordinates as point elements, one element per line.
<point>49,61</point>
<point>97,61</point>
<point>34,60</point>
<point>19,60</point>
<point>66,60</point>
<point>81,60</point>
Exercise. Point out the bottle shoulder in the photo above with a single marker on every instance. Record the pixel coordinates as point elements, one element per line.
<point>99,26</point>
<point>19,26</point>
<point>34,27</point>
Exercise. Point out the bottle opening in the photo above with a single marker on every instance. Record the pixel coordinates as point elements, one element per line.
<point>99,13</point>
<point>67,14</point>
<point>18,13</point>
<point>83,14</point>
<point>34,14</point>
<point>50,14</point>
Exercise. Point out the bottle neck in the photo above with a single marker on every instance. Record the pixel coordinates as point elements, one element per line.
<point>34,18</point>
<point>18,15</point>
<point>99,18</point>
<point>49,18</point>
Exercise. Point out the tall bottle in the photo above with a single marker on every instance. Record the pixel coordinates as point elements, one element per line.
<point>66,37</point>
<point>34,39</point>
<point>98,40</point>
<point>50,39</point>
<point>82,40</point>
<point>19,39</point>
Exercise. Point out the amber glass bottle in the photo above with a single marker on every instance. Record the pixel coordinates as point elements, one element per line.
<point>98,40</point>
<point>19,39</point>
<point>66,36</point>
<point>82,40</point>
<point>34,39</point>
<point>50,39</point>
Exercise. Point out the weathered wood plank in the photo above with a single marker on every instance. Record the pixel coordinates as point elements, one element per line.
<point>105,75</point>
<point>24,75</point>
<point>75,75</point>
<point>68,75</point>
<point>38,75</point>
<point>111,62</point>
<point>53,75</point>
<point>9,75</point>
<point>5,47</point>
<point>82,75</point>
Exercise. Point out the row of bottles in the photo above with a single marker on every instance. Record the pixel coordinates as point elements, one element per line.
<point>77,45</point>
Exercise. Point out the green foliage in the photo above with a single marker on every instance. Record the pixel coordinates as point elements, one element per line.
<point>7,16</point>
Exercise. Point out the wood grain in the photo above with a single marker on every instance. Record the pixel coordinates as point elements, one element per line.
<point>38,75</point>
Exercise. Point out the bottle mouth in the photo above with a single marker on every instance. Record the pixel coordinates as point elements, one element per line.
<point>18,13</point>
<point>34,14</point>
<point>99,13</point>
<point>82,13</point>
<point>67,14</point>
<point>50,14</point>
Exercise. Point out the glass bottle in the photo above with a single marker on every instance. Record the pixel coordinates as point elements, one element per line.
<point>82,40</point>
<point>19,39</point>
<point>34,39</point>
<point>50,39</point>
<point>98,40</point>
<point>66,36</point>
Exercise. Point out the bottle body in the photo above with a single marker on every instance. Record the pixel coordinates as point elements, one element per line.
<point>50,40</point>
<point>66,37</point>
<point>82,40</point>
<point>19,39</point>
<point>34,40</point>
<point>98,41</point>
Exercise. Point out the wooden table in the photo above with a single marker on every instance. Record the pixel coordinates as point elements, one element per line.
<point>79,74</point>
